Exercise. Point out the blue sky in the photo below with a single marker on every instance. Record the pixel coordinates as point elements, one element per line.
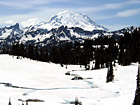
<point>113,14</point>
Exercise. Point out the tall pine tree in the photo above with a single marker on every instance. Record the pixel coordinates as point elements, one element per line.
<point>137,94</point>
<point>110,76</point>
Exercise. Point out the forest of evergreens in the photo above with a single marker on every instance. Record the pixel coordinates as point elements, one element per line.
<point>103,51</point>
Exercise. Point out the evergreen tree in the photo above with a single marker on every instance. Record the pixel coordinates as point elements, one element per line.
<point>46,55</point>
<point>97,58</point>
<point>22,50</point>
<point>30,51</point>
<point>61,55</point>
<point>4,49</point>
<point>76,101</point>
<point>9,102</point>
<point>15,49</point>
<point>55,54</point>
<point>67,53</point>
<point>137,94</point>
<point>36,53</point>
<point>88,50</point>
<point>110,76</point>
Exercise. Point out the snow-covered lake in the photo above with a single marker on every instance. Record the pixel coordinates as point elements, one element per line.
<point>28,79</point>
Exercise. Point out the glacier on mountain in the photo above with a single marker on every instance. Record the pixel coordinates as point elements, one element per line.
<point>71,19</point>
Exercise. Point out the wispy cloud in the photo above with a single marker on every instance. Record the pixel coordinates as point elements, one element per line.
<point>133,2</point>
<point>42,14</point>
<point>24,4</point>
<point>105,7</point>
<point>128,13</point>
<point>42,5</point>
<point>31,4</point>
<point>27,4</point>
<point>112,6</point>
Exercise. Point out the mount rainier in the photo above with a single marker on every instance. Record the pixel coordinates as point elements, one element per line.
<point>71,19</point>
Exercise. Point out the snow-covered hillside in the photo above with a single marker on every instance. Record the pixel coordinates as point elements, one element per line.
<point>28,79</point>
<point>71,19</point>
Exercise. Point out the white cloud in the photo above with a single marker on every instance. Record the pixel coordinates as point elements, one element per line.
<point>27,4</point>
<point>9,22</point>
<point>100,8</point>
<point>118,5</point>
<point>23,4</point>
<point>18,5</point>
<point>113,6</point>
<point>128,13</point>
<point>133,2</point>
<point>31,4</point>
<point>109,6</point>
<point>42,15</point>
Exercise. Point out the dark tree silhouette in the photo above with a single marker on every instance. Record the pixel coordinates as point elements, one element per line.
<point>137,94</point>
<point>9,102</point>
<point>110,76</point>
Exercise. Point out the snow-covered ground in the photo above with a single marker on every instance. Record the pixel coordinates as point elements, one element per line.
<point>28,79</point>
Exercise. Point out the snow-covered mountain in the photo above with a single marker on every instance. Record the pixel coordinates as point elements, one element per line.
<point>63,33</point>
<point>9,31</point>
<point>33,35</point>
<point>71,19</point>
<point>10,34</point>
<point>65,26</point>
<point>128,29</point>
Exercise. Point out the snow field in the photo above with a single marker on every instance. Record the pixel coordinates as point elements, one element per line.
<point>48,82</point>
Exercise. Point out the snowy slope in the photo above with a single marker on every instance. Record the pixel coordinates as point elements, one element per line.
<point>71,19</point>
<point>56,35</point>
<point>10,31</point>
<point>30,79</point>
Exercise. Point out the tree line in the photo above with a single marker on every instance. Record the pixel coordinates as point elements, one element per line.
<point>103,51</point>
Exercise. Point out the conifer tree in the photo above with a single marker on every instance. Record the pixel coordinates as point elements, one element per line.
<point>137,94</point>
<point>36,53</point>
<point>9,102</point>
<point>46,55</point>
<point>97,59</point>
<point>76,101</point>
<point>110,76</point>
<point>21,50</point>
<point>30,51</point>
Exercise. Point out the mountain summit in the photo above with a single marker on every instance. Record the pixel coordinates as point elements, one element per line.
<point>71,19</point>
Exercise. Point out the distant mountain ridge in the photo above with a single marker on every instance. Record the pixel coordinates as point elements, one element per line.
<point>10,32</point>
<point>58,28</point>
